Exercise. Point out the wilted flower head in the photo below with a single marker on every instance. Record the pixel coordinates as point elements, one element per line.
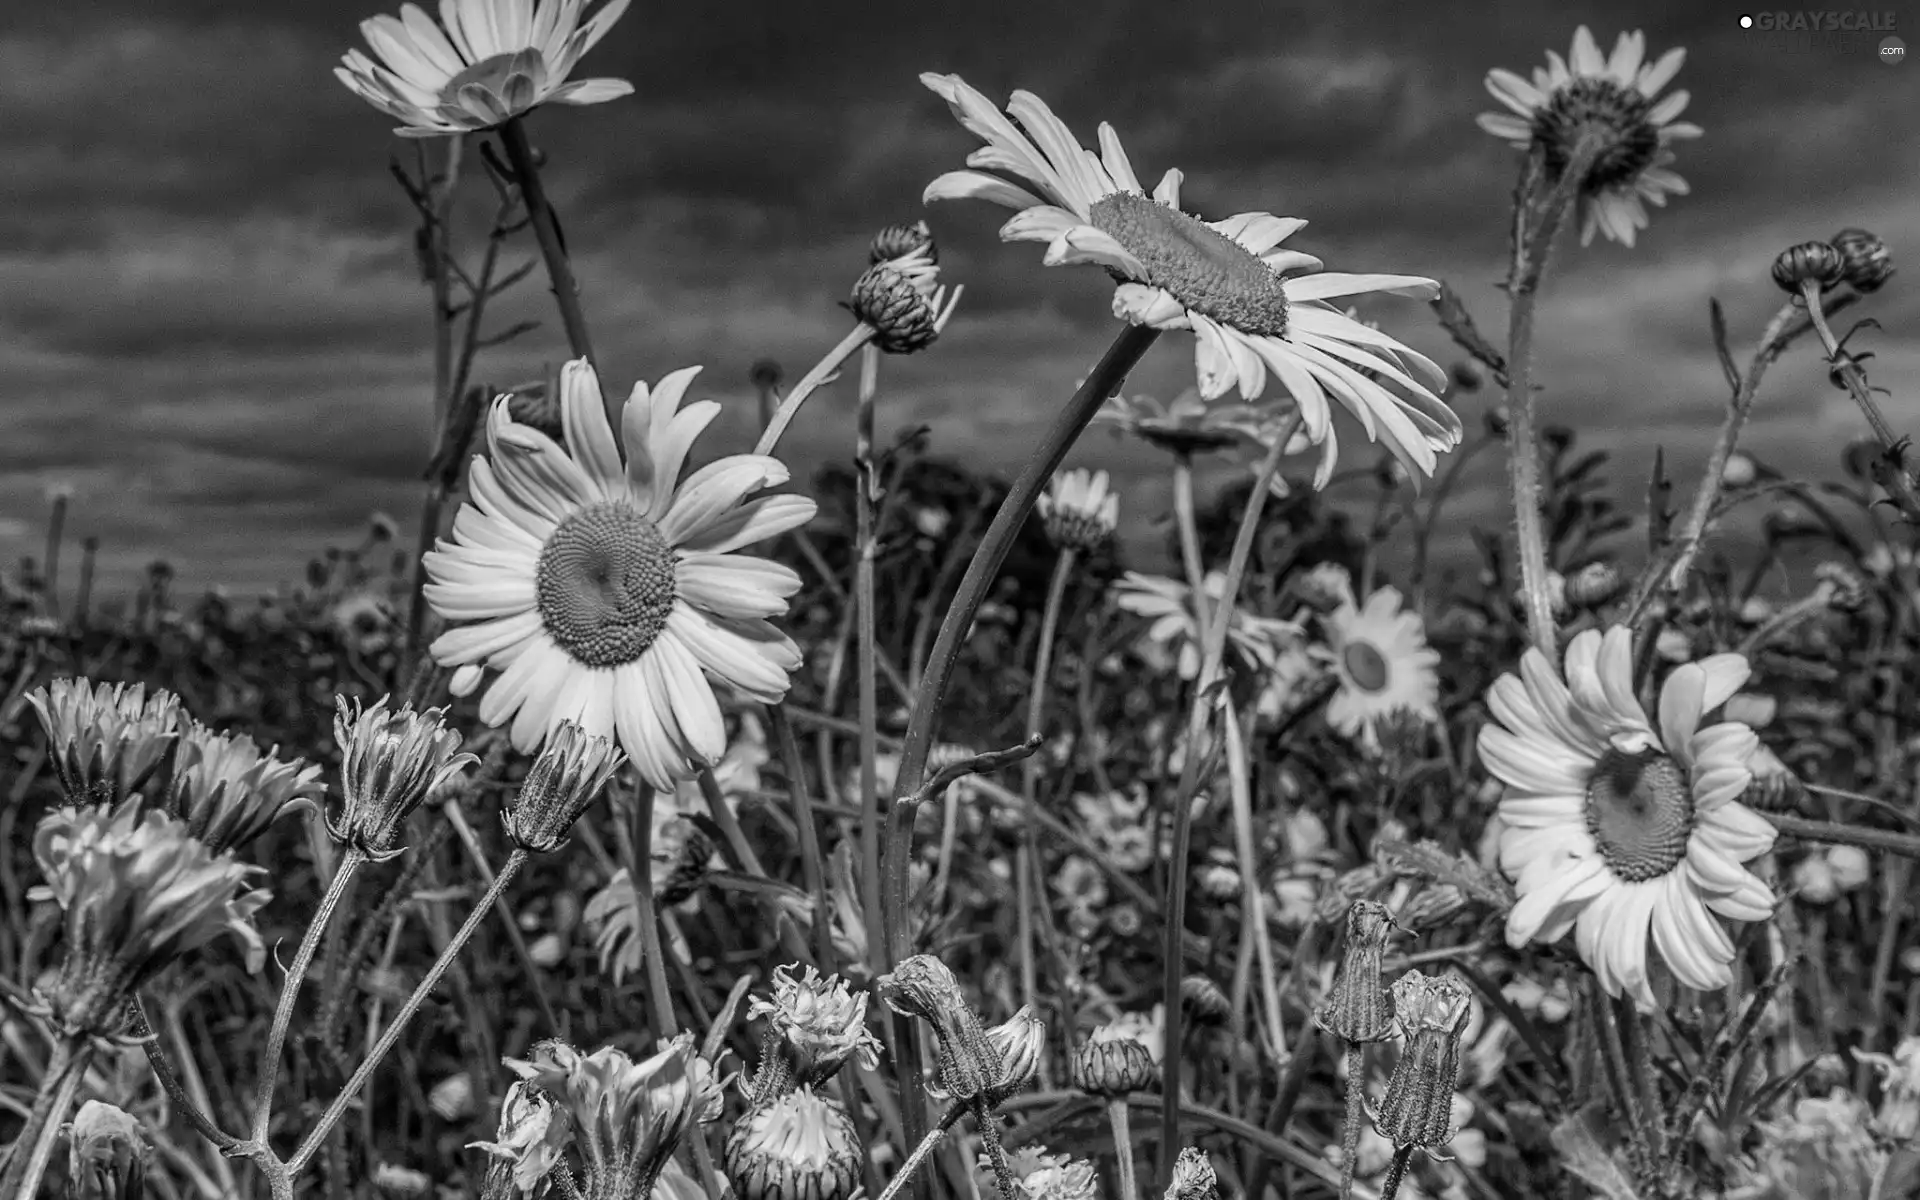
<point>107,1155</point>
<point>1043,1176</point>
<point>1193,1177</point>
<point>136,893</point>
<point>485,62</point>
<point>1821,1149</point>
<point>1609,102</point>
<point>628,1117</point>
<point>1418,1108</point>
<point>1079,510</point>
<point>227,792</point>
<point>533,1134</point>
<point>567,777</point>
<point>1358,1009</point>
<point>104,740</point>
<point>1113,1061</point>
<point>814,1024</point>
<point>975,1063</point>
<point>1898,1118</point>
<point>797,1146</point>
<point>391,761</point>
<point>1168,605</point>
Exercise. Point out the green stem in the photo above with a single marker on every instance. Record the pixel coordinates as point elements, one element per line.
<point>812,866</point>
<point>1186,522</point>
<point>1123,1147</point>
<point>290,991</point>
<point>1905,845</point>
<point>920,1152</point>
<point>311,1143</point>
<point>33,1149</point>
<point>1350,1129</point>
<point>1030,770</point>
<point>177,1095</point>
<point>1899,482</point>
<point>476,852</point>
<point>546,230</point>
<point>857,337</point>
<point>1213,653</point>
<point>640,870</point>
<point>866,548</point>
<point>1396,1171</point>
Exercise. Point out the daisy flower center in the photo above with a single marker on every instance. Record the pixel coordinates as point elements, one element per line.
<point>1640,812</point>
<point>1202,268</point>
<point>605,584</point>
<point>1365,665</point>
<point>1601,106</point>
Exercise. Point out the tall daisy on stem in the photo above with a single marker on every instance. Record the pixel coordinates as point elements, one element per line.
<point>1594,136</point>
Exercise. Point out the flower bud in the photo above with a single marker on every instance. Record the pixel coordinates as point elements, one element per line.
<point>902,306</point>
<point>568,776</point>
<point>1809,262</point>
<point>1775,788</point>
<point>1594,585</point>
<point>797,1146</point>
<point>1740,471</point>
<point>390,761</point>
<point>1113,1062</point>
<point>1218,881</point>
<point>1844,588</point>
<point>1850,865</point>
<point>1358,1009</point>
<point>107,1154</point>
<point>903,241</point>
<point>401,1183</point>
<point>1204,1002</point>
<point>814,1024</point>
<point>1866,263</point>
<point>228,793</point>
<point>1432,1012</point>
<point>104,740</point>
<point>1193,1177</point>
<point>1079,510</point>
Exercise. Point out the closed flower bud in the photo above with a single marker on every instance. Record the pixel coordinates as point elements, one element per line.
<point>1418,1108</point>
<point>1018,1042</point>
<point>1079,510</point>
<point>1740,471</point>
<point>532,1136</point>
<point>814,1024</point>
<point>135,892</point>
<point>1193,1177</point>
<point>107,1154</point>
<point>1850,865</point>
<point>1594,585</point>
<point>1358,1009</point>
<point>401,1183</point>
<point>390,761</point>
<point>1845,590</point>
<point>902,241</point>
<point>1113,1062</point>
<point>1866,263</point>
<point>568,776</point>
<point>104,740</point>
<point>904,304</point>
<point>797,1146</point>
<point>1775,788</point>
<point>1204,1002</point>
<point>1218,881</point>
<point>1809,262</point>
<point>227,793</point>
<point>1468,375</point>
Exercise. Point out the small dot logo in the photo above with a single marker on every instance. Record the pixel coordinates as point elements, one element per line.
<point>1746,21</point>
<point>1893,52</point>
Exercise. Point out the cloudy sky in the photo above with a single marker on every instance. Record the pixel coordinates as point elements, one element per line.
<point>212,327</point>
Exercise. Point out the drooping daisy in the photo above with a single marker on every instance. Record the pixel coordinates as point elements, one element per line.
<point>1620,830</point>
<point>608,592</point>
<point>1169,605</point>
<point>1588,93</point>
<point>484,63</point>
<point>1383,663</point>
<point>1253,308</point>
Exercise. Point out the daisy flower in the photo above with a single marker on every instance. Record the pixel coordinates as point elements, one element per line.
<point>1253,308</point>
<point>1382,662</point>
<point>1588,93</point>
<point>1619,829</point>
<point>608,592</point>
<point>1168,604</point>
<point>484,63</point>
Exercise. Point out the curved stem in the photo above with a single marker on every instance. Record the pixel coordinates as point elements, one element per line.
<point>1214,651</point>
<point>546,230</point>
<point>33,1149</point>
<point>783,416</point>
<point>391,1034</point>
<point>1123,1147</point>
<point>290,992</point>
<point>177,1095</point>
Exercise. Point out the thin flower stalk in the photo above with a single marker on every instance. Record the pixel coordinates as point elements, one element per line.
<point>33,1149</point>
<point>866,550</point>
<point>350,862</point>
<point>1187,524</point>
<point>536,978</point>
<point>546,230</point>
<point>823,372</point>
<point>1172,958</point>
<point>1899,481</point>
<point>315,1136</point>
<point>1029,864</point>
<point>1253,900</point>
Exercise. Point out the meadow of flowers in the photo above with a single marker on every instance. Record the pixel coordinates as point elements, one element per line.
<point>632,829</point>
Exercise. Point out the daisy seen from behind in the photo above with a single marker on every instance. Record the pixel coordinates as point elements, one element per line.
<point>1254,308</point>
<point>1609,97</point>
<point>1620,830</point>
<point>1382,662</point>
<point>1168,605</point>
<point>609,592</point>
<point>482,64</point>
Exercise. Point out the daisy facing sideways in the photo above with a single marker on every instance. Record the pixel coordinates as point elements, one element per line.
<point>1255,309</point>
<point>1620,830</point>
<point>1383,663</point>
<point>609,591</point>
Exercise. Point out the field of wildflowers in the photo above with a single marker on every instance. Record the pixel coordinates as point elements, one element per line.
<point>627,829</point>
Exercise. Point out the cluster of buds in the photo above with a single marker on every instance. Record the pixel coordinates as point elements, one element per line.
<point>900,295</point>
<point>1432,1012</point>
<point>977,1065</point>
<point>1854,257</point>
<point>568,776</point>
<point>391,761</point>
<point>1079,510</point>
<point>814,1025</point>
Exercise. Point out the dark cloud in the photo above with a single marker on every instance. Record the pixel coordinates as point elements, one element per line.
<point>212,325</point>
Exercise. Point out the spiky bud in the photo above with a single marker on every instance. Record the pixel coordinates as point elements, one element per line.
<point>814,1025</point>
<point>390,761</point>
<point>1809,262</point>
<point>1079,510</point>
<point>901,299</point>
<point>797,1146</point>
<point>1359,1009</point>
<point>568,776</point>
<point>1867,264</point>
<point>106,740</point>
<point>107,1154</point>
<point>901,241</point>
<point>1432,1012</point>
<point>228,793</point>
<point>1112,1062</point>
<point>1193,1177</point>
